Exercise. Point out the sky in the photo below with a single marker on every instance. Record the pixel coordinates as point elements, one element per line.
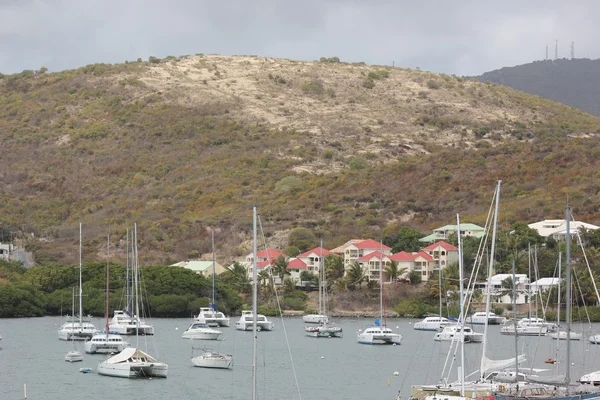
<point>462,37</point>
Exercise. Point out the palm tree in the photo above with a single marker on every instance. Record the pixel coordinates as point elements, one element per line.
<point>507,289</point>
<point>356,275</point>
<point>264,278</point>
<point>306,277</point>
<point>393,272</point>
<point>280,268</point>
<point>334,267</point>
<point>237,276</point>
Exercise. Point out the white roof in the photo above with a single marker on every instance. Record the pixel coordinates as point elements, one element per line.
<point>551,227</point>
<point>127,353</point>
<point>545,282</point>
<point>519,278</point>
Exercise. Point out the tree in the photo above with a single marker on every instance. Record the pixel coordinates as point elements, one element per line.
<point>236,276</point>
<point>404,238</point>
<point>393,272</point>
<point>415,277</point>
<point>507,289</point>
<point>302,238</point>
<point>356,275</point>
<point>280,268</point>
<point>307,277</point>
<point>334,267</point>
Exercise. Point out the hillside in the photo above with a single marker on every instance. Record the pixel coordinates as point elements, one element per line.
<point>574,82</point>
<point>184,145</point>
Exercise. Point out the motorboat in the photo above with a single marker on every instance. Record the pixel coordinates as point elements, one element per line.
<point>481,318</point>
<point>200,330</point>
<point>133,363</point>
<point>247,318</point>
<point>105,344</point>
<point>378,335</point>
<point>562,335</point>
<point>315,319</point>
<point>213,359</point>
<point>125,323</point>
<point>432,324</point>
<point>594,339</point>
<point>212,317</point>
<point>74,356</point>
<point>323,330</point>
<point>454,333</point>
<point>526,327</point>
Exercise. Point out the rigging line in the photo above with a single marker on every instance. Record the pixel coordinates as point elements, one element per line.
<point>580,242</point>
<point>412,358</point>
<point>291,359</point>
<point>578,284</point>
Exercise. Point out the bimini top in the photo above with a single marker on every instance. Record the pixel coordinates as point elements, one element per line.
<point>131,354</point>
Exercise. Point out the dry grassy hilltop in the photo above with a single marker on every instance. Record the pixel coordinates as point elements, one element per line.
<point>185,145</point>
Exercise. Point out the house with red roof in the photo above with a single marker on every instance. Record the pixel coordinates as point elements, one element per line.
<point>356,248</point>
<point>443,254</point>
<point>313,259</point>
<point>374,265</point>
<point>264,260</point>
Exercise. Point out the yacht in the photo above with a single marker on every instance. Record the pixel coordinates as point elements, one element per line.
<point>213,359</point>
<point>432,324</point>
<point>378,335</point>
<point>212,317</point>
<point>480,318</point>
<point>76,330</point>
<point>106,344</point>
<point>133,363</point>
<point>453,333</point>
<point>246,320</point>
<point>74,356</point>
<point>200,330</point>
<point>526,327</point>
<point>125,323</point>
<point>323,330</point>
<point>315,319</point>
<point>562,335</point>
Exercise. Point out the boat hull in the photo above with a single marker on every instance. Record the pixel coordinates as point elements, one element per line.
<point>380,339</point>
<point>99,344</point>
<point>324,332</point>
<point>221,361</point>
<point>74,356</point>
<point>315,319</point>
<point>134,370</point>
<point>201,335</point>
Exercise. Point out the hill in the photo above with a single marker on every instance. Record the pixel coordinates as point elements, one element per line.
<point>574,82</point>
<point>184,145</point>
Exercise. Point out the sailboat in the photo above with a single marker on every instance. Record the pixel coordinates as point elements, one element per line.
<point>210,315</point>
<point>73,355</point>
<point>77,328</point>
<point>134,362</point>
<point>379,333</point>
<point>126,322</point>
<point>559,387</point>
<point>106,342</point>
<point>562,335</point>
<point>322,330</point>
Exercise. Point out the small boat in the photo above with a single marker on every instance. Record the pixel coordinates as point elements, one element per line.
<point>86,370</point>
<point>200,330</point>
<point>480,318</point>
<point>212,317</point>
<point>453,333</point>
<point>432,324</point>
<point>526,327</point>
<point>378,335</point>
<point>323,330</point>
<point>107,344</point>
<point>247,318</point>
<point>74,356</point>
<point>315,319</point>
<point>562,335</point>
<point>213,359</point>
<point>124,322</point>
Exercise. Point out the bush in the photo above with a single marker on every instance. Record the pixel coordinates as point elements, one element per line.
<point>432,84</point>
<point>154,60</point>
<point>415,277</point>
<point>315,87</point>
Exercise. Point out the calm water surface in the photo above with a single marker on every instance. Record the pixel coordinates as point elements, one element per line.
<point>31,354</point>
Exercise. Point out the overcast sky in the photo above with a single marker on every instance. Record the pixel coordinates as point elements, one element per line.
<point>463,37</point>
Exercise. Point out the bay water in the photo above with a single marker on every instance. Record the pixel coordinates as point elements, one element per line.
<point>290,364</point>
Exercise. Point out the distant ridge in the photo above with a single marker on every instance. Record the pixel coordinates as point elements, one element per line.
<point>575,82</point>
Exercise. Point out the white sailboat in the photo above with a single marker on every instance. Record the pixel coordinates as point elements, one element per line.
<point>210,315</point>
<point>106,342</point>
<point>379,333</point>
<point>73,355</point>
<point>562,335</point>
<point>323,329</point>
<point>201,331</point>
<point>133,362</point>
<point>77,328</point>
<point>212,359</point>
<point>126,321</point>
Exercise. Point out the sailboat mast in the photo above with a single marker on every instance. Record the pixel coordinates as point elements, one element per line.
<point>489,278</point>
<point>568,295</point>
<point>440,279</point>
<point>461,373</point>
<point>322,291</point>
<point>128,295</point>
<point>107,281</point>
<point>254,302</point>
<point>135,282</point>
<point>382,320</point>
<point>214,306</point>
<point>514,288</point>
<point>80,283</point>
<point>558,313</point>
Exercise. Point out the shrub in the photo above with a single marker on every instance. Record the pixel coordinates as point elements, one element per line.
<point>315,87</point>
<point>433,84</point>
<point>154,60</point>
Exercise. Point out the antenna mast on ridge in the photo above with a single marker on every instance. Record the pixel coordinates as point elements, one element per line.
<point>572,50</point>
<point>546,52</point>
<point>556,50</point>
